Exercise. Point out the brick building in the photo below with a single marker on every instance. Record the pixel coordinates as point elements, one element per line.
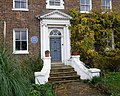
<point>29,27</point>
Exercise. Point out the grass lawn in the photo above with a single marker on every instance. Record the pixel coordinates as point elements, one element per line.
<point>111,83</point>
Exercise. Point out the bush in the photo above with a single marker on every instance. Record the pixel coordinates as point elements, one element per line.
<point>95,80</point>
<point>41,90</point>
<point>12,81</point>
<point>30,66</point>
<point>109,61</point>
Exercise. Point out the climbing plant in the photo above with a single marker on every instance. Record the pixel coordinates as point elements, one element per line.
<point>94,33</point>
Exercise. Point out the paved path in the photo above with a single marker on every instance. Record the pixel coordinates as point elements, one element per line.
<point>76,89</point>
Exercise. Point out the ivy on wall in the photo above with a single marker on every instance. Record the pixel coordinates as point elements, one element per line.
<point>93,33</point>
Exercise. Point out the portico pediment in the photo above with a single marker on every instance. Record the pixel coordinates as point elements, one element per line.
<point>54,15</point>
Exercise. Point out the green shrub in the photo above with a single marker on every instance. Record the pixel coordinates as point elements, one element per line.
<point>12,81</point>
<point>41,90</point>
<point>107,62</point>
<point>30,66</point>
<point>95,80</point>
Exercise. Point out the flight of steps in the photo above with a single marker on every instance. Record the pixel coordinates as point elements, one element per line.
<point>61,73</point>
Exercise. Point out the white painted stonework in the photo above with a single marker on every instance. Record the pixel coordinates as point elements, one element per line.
<point>84,72</point>
<point>55,20</point>
<point>42,76</point>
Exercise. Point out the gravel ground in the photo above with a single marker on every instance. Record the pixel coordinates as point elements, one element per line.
<point>76,89</point>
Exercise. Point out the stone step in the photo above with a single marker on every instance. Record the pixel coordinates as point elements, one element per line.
<point>65,81</point>
<point>62,78</point>
<point>63,69</point>
<point>61,73</point>
<point>70,73</point>
<point>59,66</point>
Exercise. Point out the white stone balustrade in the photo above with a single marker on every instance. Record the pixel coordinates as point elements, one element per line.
<point>42,76</point>
<point>82,70</point>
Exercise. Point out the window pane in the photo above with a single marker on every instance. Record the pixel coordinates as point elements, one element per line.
<point>20,40</point>
<point>23,35</point>
<point>87,8</point>
<point>103,2</point>
<point>23,5</point>
<point>108,3</point>
<point>17,35</point>
<point>82,1</point>
<point>55,2</point>
<point>51,2</point>
<point>17,4</point>
<point>82,8</point>
<point>88,2</point>
<point>17,45</point>
<point>23,0</point>
<point>20,3</point>
<point>24,45</point>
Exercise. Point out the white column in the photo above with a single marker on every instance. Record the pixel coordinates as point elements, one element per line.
<point>41,35</point>
<point>43,39</point>
<point>67,44</point>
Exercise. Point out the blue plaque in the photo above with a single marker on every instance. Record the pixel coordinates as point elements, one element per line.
<point>34,39</point>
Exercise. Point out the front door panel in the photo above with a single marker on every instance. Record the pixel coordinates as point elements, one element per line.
<point>55,49</point>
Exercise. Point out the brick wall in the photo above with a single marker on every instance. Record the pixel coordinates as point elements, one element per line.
<point>96,5</point>
<point>116,5</point>
<point>72,4</point>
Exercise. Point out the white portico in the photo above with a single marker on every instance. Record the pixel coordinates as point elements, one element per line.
<point>55,35</point>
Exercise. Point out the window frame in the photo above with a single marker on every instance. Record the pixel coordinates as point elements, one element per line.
<point>105,6</point>
<point>14,41</point>
<point>20,9</point>
<point>48,6</point>
<point>90,6</point>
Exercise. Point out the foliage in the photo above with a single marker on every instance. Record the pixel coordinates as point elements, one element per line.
<point>93,35</point>
<point>95,80</point>
<point>109,61</point>
<point>41,90</point>
<point>30,66</point>
<point>12,81</point>
<point>110,83</point>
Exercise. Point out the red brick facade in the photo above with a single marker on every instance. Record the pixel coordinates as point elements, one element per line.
<point>27,19</point>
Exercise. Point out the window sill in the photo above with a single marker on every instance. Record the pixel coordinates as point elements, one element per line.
<point>54,7</point>
<point>85,12</point>
<point>20,9</point>
<point>21,52</point>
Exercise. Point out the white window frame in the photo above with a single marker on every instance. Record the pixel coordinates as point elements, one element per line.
<point>20,9</point>
<point>90,4</point>
<point>14,44</point>
<point>48,6</point>
<point>106,5</point>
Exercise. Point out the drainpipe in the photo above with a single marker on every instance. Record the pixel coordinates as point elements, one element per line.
<point>4,33</point>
